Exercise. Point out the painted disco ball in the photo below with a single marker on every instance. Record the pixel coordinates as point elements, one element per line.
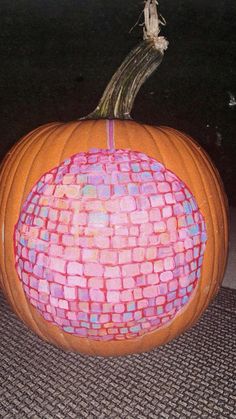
<point>109,245</point>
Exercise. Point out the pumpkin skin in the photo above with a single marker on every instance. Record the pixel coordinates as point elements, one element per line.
<point>46,148</point>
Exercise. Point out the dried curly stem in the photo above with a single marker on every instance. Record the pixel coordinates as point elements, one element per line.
<point>118,97</point>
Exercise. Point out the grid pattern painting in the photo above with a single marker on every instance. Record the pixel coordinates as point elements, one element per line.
<point>109,245</point>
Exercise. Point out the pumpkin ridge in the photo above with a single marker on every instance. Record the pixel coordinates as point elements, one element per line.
<point>209,201</point>
<point>219,187</point>
<point>12,156</point>
<point>7,204</point>
<point>67,139</point>
<point>197,293</point>
<point>7,168</point>
<point>156,145</point>
<point>186,146</point>
<point>35,157</point>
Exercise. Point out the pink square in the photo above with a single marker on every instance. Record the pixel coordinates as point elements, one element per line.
<point>159,227</point>
<point>113,296</point>
<point>165,238</point>
<point>189,255</point>
<point>151,253</point>
<point>96,283</point>
<point>167,211</point>
<point>112,205</point>
<point>89,255</point>
<point>68,240</point>
<point>53,214</point>
<point>142,303</point>
<point>77,281</point>
<point>173,285</point>
<point>84,307</point>
<point>80,218</point>
<point>43,260</point>
<point>70,293</point>
<point>157,200</point>
<point>138,315</point>
<point>146,268</point>
<point>179,247</point>
<point>93,269</point>
<point>57,264</point>
<point>124,256</point>
<point>97,295</point>
<point>143,240</point>
<point>164,187</point>
<point>108,256</point>
<point>126,295</point>
<point>104,318</point>
<point>138,254</point>
<point>102,242</point>
<point>119,242</point>
<point>68,179</point>
<point>132,241</point>
<point>130,269</point>
<point>117,318</point>
<point>65,217</point>
<point>107,231</point>
<point>75,268</point>
<point>71,253</point>
<point>160,300</point>
<point>63,304</point>
<point>158,266</point>
<point>139,217</point>
<point>62,228</point>
<point>169,198</point>
<point>71,315</point>
<point>121,231</point>
<point>93,205</point>
<point>138,293</point>
<point>119,218</point>
<point>148,188</point>
<point>166,276</point>
<point>113,284</point>
<point>107,308</point>
<point>155,214</point>
<point>153,279</point>
<point>43,286</point>
<point>134,231</point>
<point>119,308</point>
<point>146,228</point>
<point>142,202</point>
<point>128,282</point>
<point>188,243</point>
<point>169,263</point>
<point>127,204</point>
<point>154,239</point>
<point>55,250</point>
<point>150,292</point>
<point>112,272</point>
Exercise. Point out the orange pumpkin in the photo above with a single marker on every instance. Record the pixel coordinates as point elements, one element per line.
<point>114,233</point>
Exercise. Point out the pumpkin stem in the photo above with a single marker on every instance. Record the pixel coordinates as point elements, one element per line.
<point>118,97</point>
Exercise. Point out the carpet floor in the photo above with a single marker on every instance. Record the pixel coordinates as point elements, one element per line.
<point>192,377</point>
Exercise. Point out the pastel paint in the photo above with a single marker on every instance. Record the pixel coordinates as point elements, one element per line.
<point>109,245</point>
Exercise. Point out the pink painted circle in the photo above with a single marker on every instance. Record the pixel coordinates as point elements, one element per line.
<point>109,245</point>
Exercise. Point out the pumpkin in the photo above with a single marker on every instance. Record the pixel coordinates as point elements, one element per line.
<point>114,233</point>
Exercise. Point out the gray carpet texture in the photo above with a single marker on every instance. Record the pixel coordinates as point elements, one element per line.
<point>191,377</point>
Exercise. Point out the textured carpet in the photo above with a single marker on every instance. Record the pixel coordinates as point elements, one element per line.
<point>192,377</point>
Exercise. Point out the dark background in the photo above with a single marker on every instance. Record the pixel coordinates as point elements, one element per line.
<point>58,55</point>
